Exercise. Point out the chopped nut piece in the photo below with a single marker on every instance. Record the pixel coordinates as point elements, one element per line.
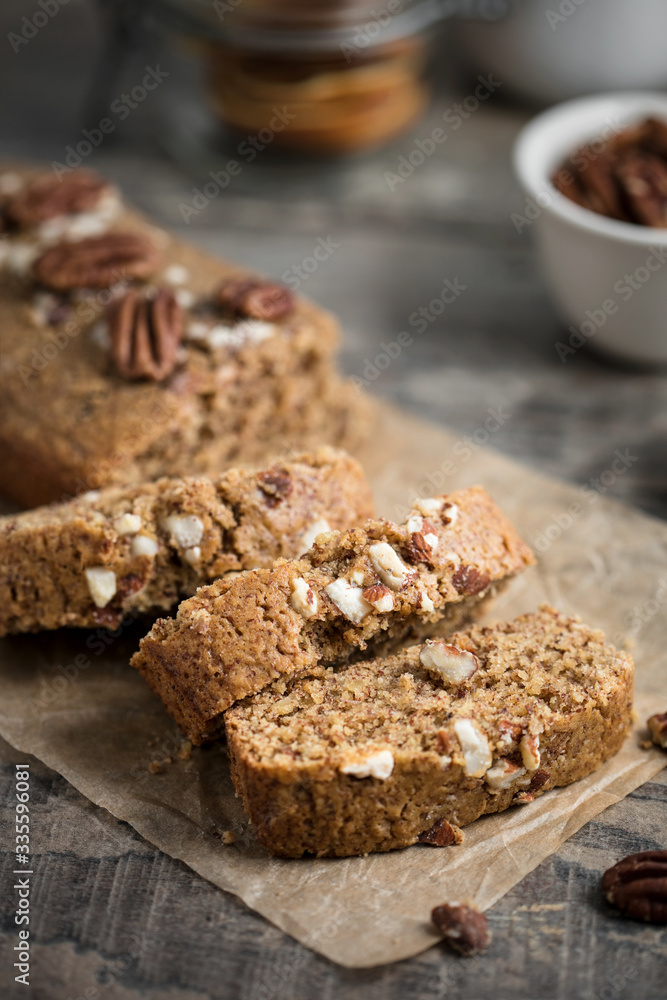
<point>127,524</point>
<point>419,550</point>
<point>101,584</point>
<point>469,580</point>
<point>429,507</point>
<point>185,529</point>
<point>510,732</point>
<point>130,584</point>
<point>432,540</point>
<point>451,557</point>
<point>423,540</point>
<point>637,885</point>
<point>349,600</point>
<point>475,748</point>
<point>463,927</point>
<point>657,727</point>
<point>450,514</point>
<point>318,527</point>
<point>303,598</point>
<point>448,663</point>
<point>428,539</point>
<point>425,602</point>
<point>380,597</point>
<point>441,834</point>
<point>378,765</point>
<point>276,484</point>
<point>538,780</point>
<point>389,566</point>
<point>414,523</point>
<point>503,774</point>
<point>530,752</point>
<point>192,555</point>
<point>142,545</point>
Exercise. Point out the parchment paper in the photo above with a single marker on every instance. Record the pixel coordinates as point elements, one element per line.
<point>70,699</point>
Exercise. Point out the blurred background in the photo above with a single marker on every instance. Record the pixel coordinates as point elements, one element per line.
<point>362,153</point>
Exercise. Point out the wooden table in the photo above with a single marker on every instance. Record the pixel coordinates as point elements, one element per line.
<point>115,919</point>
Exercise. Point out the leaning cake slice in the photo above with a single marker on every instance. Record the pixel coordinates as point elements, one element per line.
<point>381,754</point>
<point>128,550</point>
<point>351,591</point>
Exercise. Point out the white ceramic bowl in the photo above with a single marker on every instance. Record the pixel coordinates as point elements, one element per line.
<point>608,278</point>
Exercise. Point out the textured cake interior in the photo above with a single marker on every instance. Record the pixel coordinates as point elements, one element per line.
<point>535,669</point>
<point>242,523</point>
<point>235,636</point>
<point>379,754</point>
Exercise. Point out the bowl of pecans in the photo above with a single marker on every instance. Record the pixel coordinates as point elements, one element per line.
<point>594,177</point>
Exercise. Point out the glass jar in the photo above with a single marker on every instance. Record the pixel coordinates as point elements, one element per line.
<point>321,78</point>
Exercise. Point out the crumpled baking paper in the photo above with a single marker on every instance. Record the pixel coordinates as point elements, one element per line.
<point>70,699</point>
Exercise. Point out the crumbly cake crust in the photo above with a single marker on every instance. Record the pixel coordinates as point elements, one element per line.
<point>368,756</point>
<point>69,422</point>
<point>162,540</point>
<point>351,591</point>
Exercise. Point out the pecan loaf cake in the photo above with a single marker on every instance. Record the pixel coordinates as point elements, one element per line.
<point>381,754</point>
<point>96,558</point>
<point>129,355</point>
<point>352,590</point>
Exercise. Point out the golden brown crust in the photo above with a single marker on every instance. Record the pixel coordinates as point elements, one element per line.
<point>551,699</point>
<point>234,637</point>
<point>76,424</point>
<point>44,553</point>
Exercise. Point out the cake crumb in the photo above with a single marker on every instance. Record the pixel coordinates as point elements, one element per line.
<point>227,837</point>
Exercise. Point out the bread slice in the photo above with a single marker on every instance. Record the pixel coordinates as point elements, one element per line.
<point>122,551</point>
<point>351,591</point>
<point>380,754</point>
